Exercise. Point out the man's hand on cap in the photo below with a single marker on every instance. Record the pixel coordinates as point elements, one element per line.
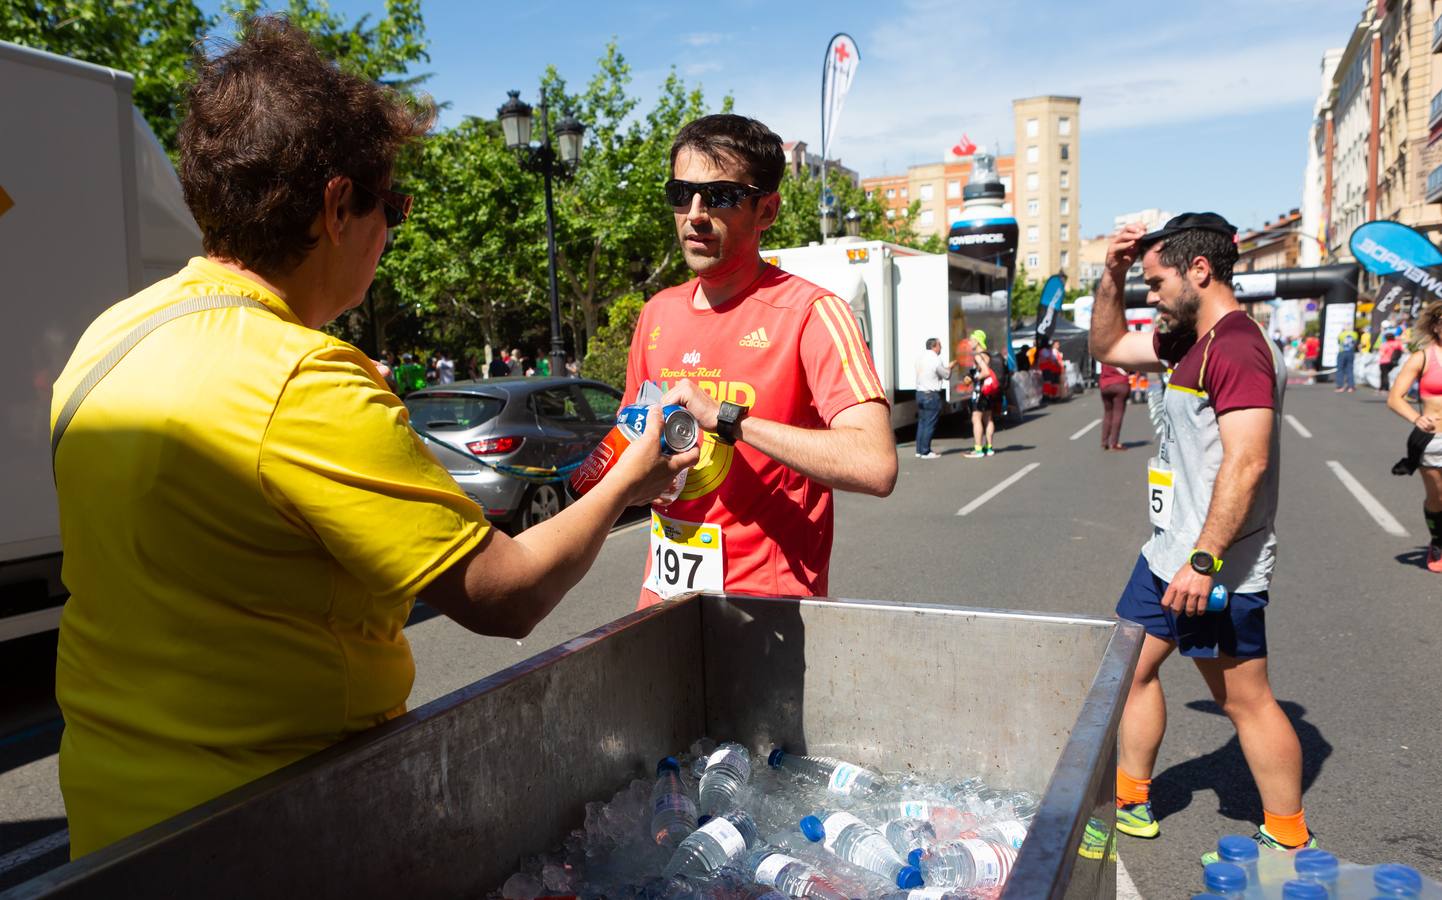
<point>1125,247</point>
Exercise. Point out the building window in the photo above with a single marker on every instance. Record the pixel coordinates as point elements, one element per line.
<point>891,193</point>
<point>1033,261</point>
<point>1032,234</point>
<point>1033,153</point>
<point>928,218</point>
<point>869,194</point>
<point>1065,233</point>
<point>1006,183</point>
<point>953,213</point>
<point>953,189</point>
<point>1033,127</point>
<point>905,192</point>
<point>891,213</point>
<point>1066,151</point>
<point>1065,179</point>
<point>1066,206</point>
<point>1063,126</point>
<point>926,193</point>
<point>1065,257</point>
<point>1033,207</point>
<point>1033,181</point>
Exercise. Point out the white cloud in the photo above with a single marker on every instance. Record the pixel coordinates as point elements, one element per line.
<point>702,38</point>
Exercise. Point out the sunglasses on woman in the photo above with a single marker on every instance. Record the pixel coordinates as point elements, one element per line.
<point>397,207</point>
<point>714,194</point>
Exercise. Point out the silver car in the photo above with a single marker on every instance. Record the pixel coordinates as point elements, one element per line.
<point>544,423</point>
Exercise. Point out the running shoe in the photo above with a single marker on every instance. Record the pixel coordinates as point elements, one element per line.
<point>1264,840</point>
<point>1096,841</point>
<point>1434,558</point>
<point>978,453</point>
<point>1136,820</point>
<point>989,451</point>
<point>930,455</point>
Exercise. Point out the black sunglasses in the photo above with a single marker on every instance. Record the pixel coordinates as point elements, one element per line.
<point>714,194</point>
<point>397,207</point>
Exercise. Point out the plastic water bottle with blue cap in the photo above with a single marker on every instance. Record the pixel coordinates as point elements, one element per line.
<point>911,838</point>
<point>1298,889</point>
<point>1318,866</point>
<point>968,863</point>
<point>1217,600</point>
<point>673,814</point>
<point>840,777</point>
<point>769,867</point>
<point>1393,880</point>
<point>853,840</point>
<point>1240,851</point>
<point>1225,879</point>
<point>727,771</point>
<point>716,843</point>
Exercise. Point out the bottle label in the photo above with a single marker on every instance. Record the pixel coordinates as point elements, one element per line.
<point>914,809</point>
<point>770,868</point>
<point>1011,831</point>
<point>991,866</point>
<point>724,833</point>
<point>843,778</point>
<point>735,757</point>
<point>833,825</point>
<point>675,803</point>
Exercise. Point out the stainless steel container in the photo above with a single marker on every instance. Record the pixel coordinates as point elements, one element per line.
<point>447,800</point>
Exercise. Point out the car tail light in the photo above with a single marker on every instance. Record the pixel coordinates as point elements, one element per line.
<point>495,446</point>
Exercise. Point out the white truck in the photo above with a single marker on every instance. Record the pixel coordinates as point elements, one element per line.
<point>90,212</point>
<point>900,297</point>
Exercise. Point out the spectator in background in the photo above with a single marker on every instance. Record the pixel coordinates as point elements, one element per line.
<point>445,369</point>
<point>932,373</point>
<point>515,363</point>
<point>1311,356</point>
<point>1346,361</point>
<point>1364,344</point>
<point>543,363</point>
<point>1115,388</point>
<point>500,366</point>
<point>1387,359</point>
<point>473,366</point>
<point>573,367</point>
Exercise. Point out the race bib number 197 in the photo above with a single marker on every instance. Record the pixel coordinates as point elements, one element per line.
<point>686,558</point>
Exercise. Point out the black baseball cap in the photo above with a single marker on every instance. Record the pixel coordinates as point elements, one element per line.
<point>1206,221</point>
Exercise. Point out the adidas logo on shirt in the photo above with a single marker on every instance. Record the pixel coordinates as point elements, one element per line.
<point>757,339</point>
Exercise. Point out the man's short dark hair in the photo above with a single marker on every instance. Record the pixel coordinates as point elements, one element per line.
<point>1178,251</point>
<point>269,123</point>
<point>725,139</point>
<point>933,342</point>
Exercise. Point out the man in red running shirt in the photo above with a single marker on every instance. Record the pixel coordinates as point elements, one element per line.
<point>776,372</point>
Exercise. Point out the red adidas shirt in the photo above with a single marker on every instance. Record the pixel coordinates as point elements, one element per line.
<point>792,352</point>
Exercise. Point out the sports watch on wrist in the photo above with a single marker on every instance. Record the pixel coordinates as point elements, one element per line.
<point>728,422</point>
<point>1204,563</point>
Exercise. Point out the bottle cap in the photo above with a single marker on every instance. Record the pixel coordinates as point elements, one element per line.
<point>1303,890</point>
<point>774,759</point>
<point>914,858</point>
<point>909,877</point>
<point>1397,879</point>
<point>811,827</point>
<point>1226,877</point>
<point>669,764</point>
<point>1236,848</point>
<point>1315,863</point>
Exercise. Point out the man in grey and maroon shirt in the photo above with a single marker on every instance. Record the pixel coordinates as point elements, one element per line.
<point>1212,499</point>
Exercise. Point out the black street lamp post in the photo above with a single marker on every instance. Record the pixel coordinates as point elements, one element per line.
<point>515,118</point>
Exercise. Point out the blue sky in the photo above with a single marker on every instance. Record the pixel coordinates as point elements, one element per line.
<point>1201,105</point>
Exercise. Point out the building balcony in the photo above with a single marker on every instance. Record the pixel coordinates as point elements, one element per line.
<point>1434,185</point>
<point>1435,117</point>
<point>1437,35</point>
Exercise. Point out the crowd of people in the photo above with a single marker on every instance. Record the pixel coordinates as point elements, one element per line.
<point>411,371</point>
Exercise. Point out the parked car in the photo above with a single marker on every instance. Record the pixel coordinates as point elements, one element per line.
<point>537,422</point>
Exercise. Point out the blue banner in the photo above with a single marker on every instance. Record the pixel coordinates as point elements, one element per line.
<point>1048,308</point>
<point>1389,248</point>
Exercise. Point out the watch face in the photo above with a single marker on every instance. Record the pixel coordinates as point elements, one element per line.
<point>1203,561</point>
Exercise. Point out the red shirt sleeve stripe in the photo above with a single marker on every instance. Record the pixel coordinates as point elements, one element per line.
<point>859,387</point>
<point>870,384</point>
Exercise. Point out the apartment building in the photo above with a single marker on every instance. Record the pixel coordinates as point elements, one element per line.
<point>938,188</point>
<point>1275,245</point>
<point>799,160</point>
<point>1047,183</point>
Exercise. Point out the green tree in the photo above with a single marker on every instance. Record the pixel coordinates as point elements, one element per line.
<point>799,222</point>
<point>606,357</point>
<point>381,51</point>
<point>1025,296</point>
<point>151,40</point>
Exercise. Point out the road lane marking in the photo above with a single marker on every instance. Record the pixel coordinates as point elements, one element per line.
<point>1375,509</point>
<point>34,850</point>
<point>1090,425</point>
<point>1301,429</point>
<point>1018,476</point>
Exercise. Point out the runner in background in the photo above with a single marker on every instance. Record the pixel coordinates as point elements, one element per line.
<point>1112,384</point>
<point>1424,368</point>
<point>775,371</point>
<point>1387,359</point>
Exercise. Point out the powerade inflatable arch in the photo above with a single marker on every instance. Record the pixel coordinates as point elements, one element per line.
<point>1333,284</point>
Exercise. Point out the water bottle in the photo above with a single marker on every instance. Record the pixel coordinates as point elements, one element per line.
<point>716,843</point>
<point>1010,832</point>
<point>927,894</point>
<point>1393,880</point>
<point>844,778</point>
<point>909,837</point>
<point>1217,599</point>
<point>856,842</point>
<point>1317,866</point>
<point>673,815</point>
<point>790,875</point>
<point>1241,851</point>
<point>728,768</point>
<point>1225,879</point>
<point>968,863</point>
<point>1298,889</point>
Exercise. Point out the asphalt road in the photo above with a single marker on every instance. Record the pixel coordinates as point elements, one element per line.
<point>1352,627</point>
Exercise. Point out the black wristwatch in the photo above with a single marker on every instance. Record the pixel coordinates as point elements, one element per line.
<point>728,422</point>
<point>1204,563</point>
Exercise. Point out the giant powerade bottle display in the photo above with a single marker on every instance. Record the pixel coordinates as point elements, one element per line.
<point>985,231</point>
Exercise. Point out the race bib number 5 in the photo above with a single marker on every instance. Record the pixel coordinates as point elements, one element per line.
<point>1159,496</point>
<point>686,558</point>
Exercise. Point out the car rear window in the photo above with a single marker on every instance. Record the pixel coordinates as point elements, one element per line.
<point>452,412</point>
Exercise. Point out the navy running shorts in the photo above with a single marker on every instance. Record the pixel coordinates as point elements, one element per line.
<point>1239,631</point>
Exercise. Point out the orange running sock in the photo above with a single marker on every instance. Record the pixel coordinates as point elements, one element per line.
<point>1290,830</point>
<point>1133,790</point>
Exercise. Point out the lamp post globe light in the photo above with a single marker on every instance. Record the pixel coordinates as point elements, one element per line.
<point>853,223</point>
<point>828,220</point>
<point>515,119</point>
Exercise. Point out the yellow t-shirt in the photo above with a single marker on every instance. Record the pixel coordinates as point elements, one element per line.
<point>246,518</point>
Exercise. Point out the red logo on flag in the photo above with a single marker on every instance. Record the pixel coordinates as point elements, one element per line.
<point>964,147</point>
<point>841,53</point>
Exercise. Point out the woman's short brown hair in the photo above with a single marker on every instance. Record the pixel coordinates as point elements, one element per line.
<point>269,123</point>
